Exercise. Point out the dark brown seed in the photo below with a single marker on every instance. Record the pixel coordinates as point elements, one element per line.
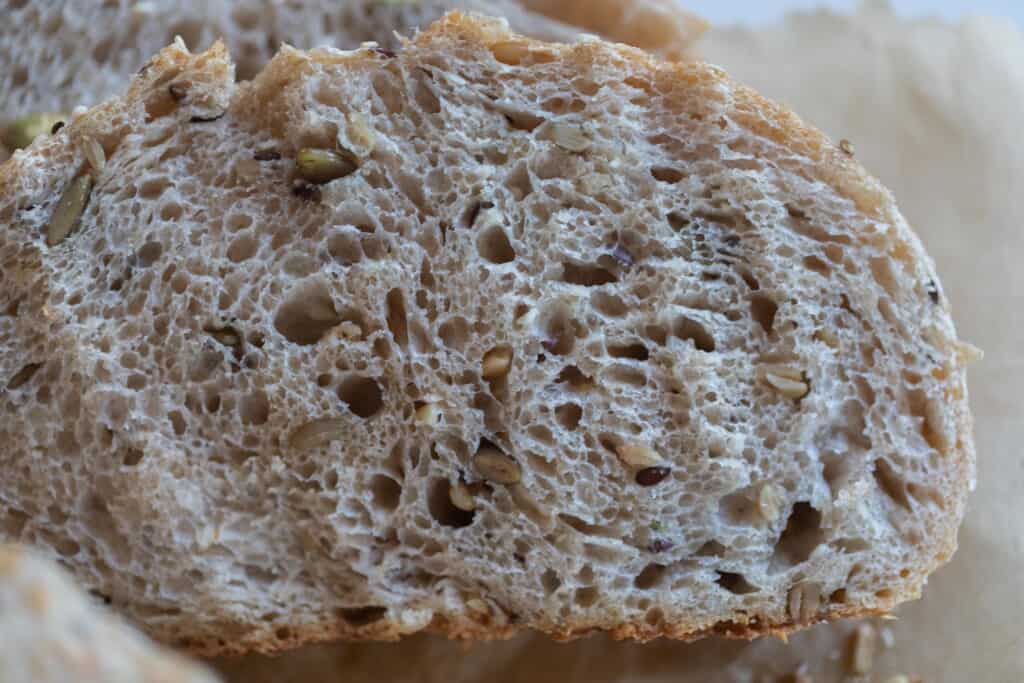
<point>23,376</point>
<point>622,255</point>
<point>651,476</point>
<point>177,91</point>
<point>56,127</point>
<point>933,291</point>
<point>267,155</point>
<point>847,147</point>
<point>206,119</point>
<point>660,545</point>
<point>384,52</point>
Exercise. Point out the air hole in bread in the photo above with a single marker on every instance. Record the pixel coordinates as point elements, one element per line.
<point>688,329</point>
<point>518,181</point>
<point>711,548</point>
<point>890,484</point>
<point>454,333</point>
<point>362,395</point>
<point>576,380</point>
<point>307,314</point>
<point>23,376</point>
<point>607,304</point>
<point>388,92</point>
<point>132,457</point>
<point>549,581</point>
<point>740,508</point>
<point>558,329</point>
<point>650,577</point>
<point>254,409</point>
<point>171,212</point>
<point>154,187</point>
<point>634,350</point>
<point>586,596</point>
<point>625,374</point>
<point>837,470</point>
<point>666,174</point>
<point>735,583</point>
<point>521,119</point>
<point>815,264</point>
<point>386,492</point>
<point>242,248</point>
<point>444,512</point>
<point>493,246</point>
<point>362,616</point>
<point>803,533</point>
<point>929,413</point>
<point>586,275</point>
<point>568,415</point>
<point>852,545</point>
<point>178,423</point>
<point>345,247</point>
<point>763,309</point>
<point>396,317</point>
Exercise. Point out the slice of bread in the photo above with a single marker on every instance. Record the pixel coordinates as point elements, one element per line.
<point>50,632</point>
<point>484,335</point>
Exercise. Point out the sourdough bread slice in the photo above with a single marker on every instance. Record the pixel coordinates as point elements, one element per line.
<point>50,632</point>
<point>483,335</point>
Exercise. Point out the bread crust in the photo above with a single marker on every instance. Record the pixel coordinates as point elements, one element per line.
<point>834,167</point>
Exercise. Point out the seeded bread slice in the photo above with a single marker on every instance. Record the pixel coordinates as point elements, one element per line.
<point>51,633</point>
<point>486,335</point>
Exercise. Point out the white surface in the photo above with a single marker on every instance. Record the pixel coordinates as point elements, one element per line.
<point>753,11</point>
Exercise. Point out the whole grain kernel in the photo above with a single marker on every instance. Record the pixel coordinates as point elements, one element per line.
<point>497,362</point>
<point>803,601</point>
<point>428,414</point>
<point>94,153</point>
<point>461,497</point>
<point>569,137</point>
<point>769,502</point>
<point>847,147</point>
<point>652,476</point>
<point>510,51</point>
<point>638,455</point>
<point>318,433</point>
<point>862,653</point>
<point>786,380</point>
<point>495,466</point>
<point>321,166</point>
<point>69,209</point>
<point>477,606</point>
<point>360,132</point>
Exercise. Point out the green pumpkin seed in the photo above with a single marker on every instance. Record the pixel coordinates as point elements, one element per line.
<point>321,166</point>
<point>69,209</point>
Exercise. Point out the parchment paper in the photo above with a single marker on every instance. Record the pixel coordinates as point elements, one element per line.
<point>936,111</point>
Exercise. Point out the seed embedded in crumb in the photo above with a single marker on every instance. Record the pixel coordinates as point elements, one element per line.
<point>803,602</point>
<point>318,433</point>
<point>769,501</point>
<point>652,476</point>
<point>428,414</point>
<point>495,466</point>
<point>786,380</point>
<point>94,153</point>
<point>862,654</point>
<point>69,209</point>
<point>266,155</point>
<point>321,166</point>
<point>846,146</point>
<point>461,497</point>
<point>638,455</point>
<point>569,137</point>
<point>497,362</point>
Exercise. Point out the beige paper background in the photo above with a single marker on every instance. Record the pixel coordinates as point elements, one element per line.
<point>937,112</point>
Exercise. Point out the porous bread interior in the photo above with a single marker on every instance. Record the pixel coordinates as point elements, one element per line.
<point>52,632</point>
<point>646,238</point>
<point>82,53</point>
